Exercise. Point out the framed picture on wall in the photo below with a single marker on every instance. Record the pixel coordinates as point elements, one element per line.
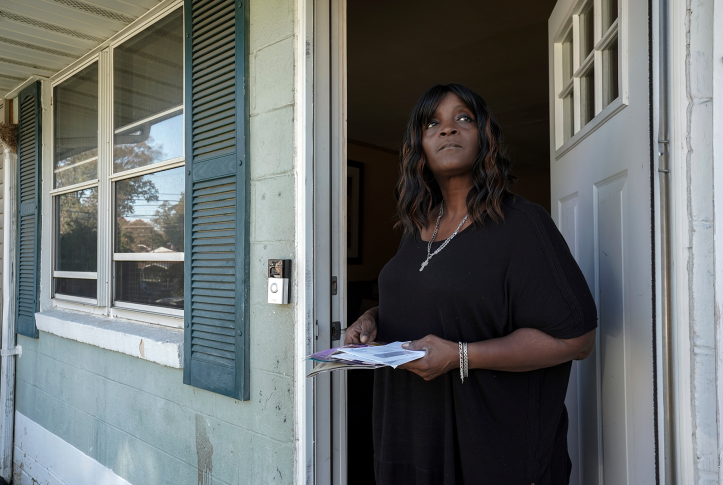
<point>354,176</point>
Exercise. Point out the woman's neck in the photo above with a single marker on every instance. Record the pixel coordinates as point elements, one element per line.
<point>455,198</point>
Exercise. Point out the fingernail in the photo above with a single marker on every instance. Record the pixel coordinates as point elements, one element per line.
<point>404,346</point>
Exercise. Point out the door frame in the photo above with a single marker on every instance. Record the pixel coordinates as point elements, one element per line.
<point>303,267</point>
<point>319,149</point>
<point>310,142</point>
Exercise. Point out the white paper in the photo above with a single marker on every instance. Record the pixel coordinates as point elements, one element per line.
<point>391,354</point>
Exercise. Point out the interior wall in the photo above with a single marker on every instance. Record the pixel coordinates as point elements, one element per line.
<point>379,239</point>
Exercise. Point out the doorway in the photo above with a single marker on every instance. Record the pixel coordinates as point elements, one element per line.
<point>395,52</point>
<point>584,162</point>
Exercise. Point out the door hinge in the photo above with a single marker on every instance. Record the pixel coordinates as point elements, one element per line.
<point>316,329</point>
<point>334,285</point>
<point>335,331</point>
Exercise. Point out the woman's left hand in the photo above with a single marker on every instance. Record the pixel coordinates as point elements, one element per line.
<point>442,356</point>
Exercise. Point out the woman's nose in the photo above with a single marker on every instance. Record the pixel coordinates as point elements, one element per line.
<point>447,131</point>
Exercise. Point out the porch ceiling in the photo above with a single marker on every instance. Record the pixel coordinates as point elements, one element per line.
<point>41,37</point>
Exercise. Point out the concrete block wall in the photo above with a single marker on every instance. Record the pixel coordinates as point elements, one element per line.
<point>137,417</point>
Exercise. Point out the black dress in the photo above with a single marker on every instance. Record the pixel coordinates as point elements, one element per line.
<point>497,427</point>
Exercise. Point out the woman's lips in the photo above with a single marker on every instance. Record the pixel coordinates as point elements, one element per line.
<point>449,145</point>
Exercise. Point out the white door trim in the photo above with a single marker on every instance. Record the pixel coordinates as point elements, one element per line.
<point>718,209</point>
<point>680,242</point>
<point>303,287</point>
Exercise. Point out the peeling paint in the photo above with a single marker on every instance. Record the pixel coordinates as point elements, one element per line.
<point>204,452</point>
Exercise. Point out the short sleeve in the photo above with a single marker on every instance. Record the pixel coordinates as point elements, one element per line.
<point>546,288</point>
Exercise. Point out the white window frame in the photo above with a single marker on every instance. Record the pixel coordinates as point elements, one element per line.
<point>562,87</point>
<point>104,304</point>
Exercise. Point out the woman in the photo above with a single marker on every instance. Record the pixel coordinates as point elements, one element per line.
<point>485,284</point>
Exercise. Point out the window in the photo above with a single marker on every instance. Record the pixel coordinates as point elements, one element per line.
<point>587,78</point>
<point>119,211</point>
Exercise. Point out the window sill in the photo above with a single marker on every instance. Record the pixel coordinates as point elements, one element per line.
<point>162,345</point>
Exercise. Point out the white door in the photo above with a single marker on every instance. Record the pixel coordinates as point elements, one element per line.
<point>600,189</point>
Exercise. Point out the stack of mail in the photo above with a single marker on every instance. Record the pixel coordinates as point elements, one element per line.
<point>370,356</point>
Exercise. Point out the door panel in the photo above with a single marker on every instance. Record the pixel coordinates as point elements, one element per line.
<point>600,194</point>
<point>610,233</point>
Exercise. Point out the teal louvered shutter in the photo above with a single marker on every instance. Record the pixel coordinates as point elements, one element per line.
<point>28,206</point>
<point>216,350</point>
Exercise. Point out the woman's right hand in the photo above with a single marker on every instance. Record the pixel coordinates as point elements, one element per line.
<point>364,330</point>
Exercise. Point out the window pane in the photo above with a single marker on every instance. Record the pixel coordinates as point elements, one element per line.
<point>587,97</point>
<point>148,95</point>
<point>587,31</point>
<point>76,287</point>
<point>149,212</point>
<point>157,283</point>
<point>75,104</point>
<point>153,141</point>
<point>611,86</point>
<point>568,116</point>
<point>609,13</point>
<point>567,58</point>
<point>77,226</point>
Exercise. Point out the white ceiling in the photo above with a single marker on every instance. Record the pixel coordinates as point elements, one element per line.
<point>398,49</point>
<point>41,37</point>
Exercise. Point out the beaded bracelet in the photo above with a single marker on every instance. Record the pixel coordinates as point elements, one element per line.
<point>463,361</point>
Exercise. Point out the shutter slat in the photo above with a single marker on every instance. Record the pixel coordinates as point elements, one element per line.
<point>213,329</point>
<point>216,342</point>
<point>28,244</point>
<point>216,315</point>
<point>224,209</point>
<point>200,359</point>
<point>202,9</point>
<point>203,322</point>
<point>224,13</point>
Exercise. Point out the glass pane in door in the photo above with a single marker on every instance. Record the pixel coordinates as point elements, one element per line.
<point>587,97</point>
<point>609,13</point>
<point>568,116</point>
<point>611,84</point>
<point>587,31</point>
<point>567,58</point>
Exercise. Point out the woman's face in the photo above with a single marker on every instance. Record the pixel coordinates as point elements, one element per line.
<point>451,139</point>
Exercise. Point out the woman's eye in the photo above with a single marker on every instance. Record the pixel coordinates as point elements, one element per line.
<point>430,124</point>
<point>465,118</point>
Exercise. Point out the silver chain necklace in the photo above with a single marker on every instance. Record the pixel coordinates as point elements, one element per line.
<point>436,228</point>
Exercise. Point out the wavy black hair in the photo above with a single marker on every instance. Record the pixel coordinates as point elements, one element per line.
<point>417,190</point>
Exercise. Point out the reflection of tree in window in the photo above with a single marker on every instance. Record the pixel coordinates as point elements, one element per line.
<point>169,221</point>
<point>149,220</point>
<point>78,230</point>
<point>127,157</point>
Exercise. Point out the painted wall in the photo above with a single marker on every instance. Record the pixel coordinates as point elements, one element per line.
<point>137,418</point>
<point>700,273</point>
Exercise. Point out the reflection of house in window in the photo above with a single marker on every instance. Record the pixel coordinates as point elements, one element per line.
<point>158,283</point>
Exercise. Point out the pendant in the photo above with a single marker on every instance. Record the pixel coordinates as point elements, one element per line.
<point>424,265</point>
